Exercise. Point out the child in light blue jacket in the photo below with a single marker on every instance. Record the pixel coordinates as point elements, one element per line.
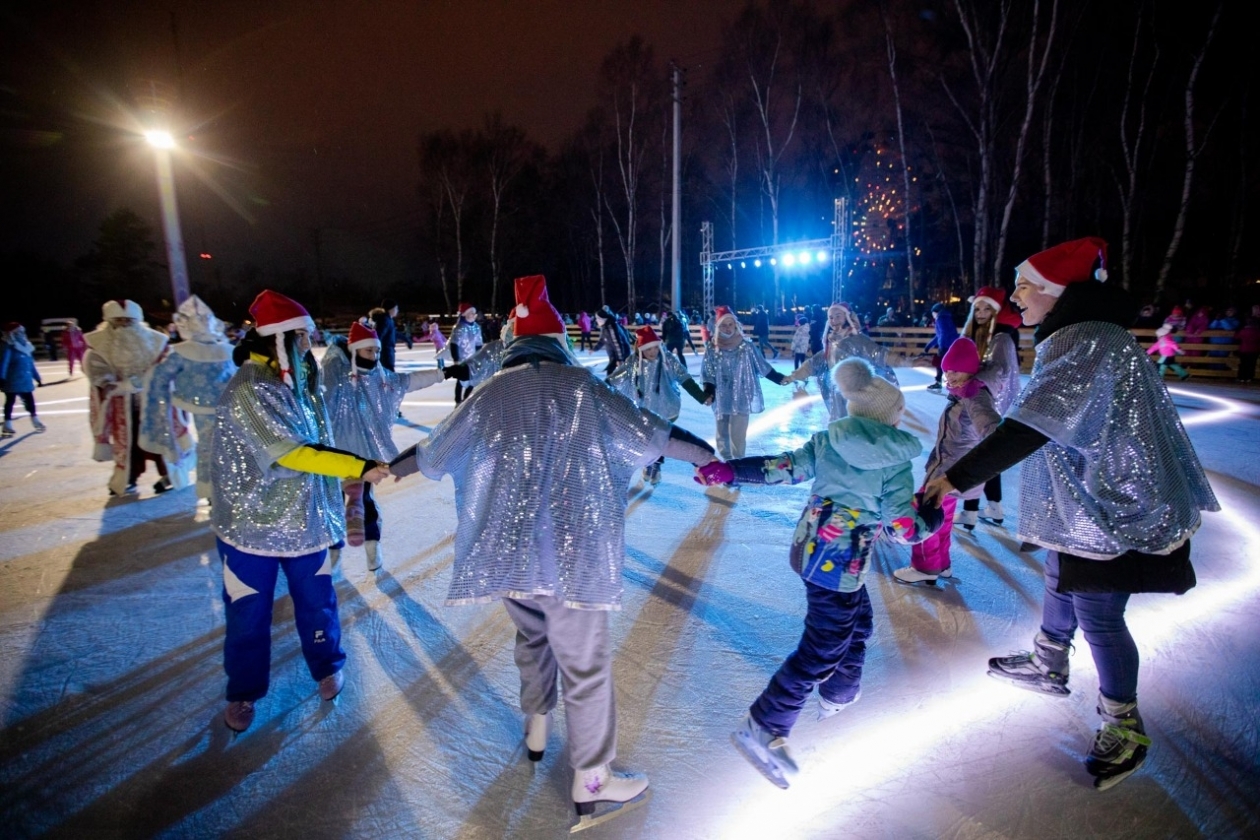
<point>862,485</point>
<point>18,375</point>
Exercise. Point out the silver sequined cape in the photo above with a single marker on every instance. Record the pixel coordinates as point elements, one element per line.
<point>824,361</point>
<point>486,362</point>
<point>736,375</point>
<point>259,506</point>
<point>1119,473</point>
<point>541,458</point>
<point>466,338</point>
<point>363,407</point>
<point>652,385</point>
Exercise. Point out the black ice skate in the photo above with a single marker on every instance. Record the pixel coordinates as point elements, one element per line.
<point>537,728</point>
<point>601,794</point>
<point>1119,747</point>
<point>1044,669</point>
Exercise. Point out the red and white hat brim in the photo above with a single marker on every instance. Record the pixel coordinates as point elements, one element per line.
<point>1032,275</point>
<point>300,322</point>
<point>366,342</point>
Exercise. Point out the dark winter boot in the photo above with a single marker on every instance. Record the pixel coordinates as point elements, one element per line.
<point>1044,669</point>
<point>1119,745</point>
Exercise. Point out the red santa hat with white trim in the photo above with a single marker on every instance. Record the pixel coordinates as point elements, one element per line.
<point>991,295</point>
<point>721,313</point>
<point>361,337</point>
<point>646,338</point>
<point>464,306</point>
<point>1077,261</point>
<point>534,314</point>
<point>276,314</point>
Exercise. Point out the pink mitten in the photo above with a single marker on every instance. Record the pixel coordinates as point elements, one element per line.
<point>717,472</point>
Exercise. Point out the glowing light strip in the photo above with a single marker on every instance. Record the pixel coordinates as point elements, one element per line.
<point>1228,408</point>
<point>885,749</point>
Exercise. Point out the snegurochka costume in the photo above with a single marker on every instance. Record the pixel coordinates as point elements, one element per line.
<point>363,398</point>
<point>190,378</point>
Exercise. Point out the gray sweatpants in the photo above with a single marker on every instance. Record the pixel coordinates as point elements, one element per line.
<point>551,640</point>
<point>732,435</point>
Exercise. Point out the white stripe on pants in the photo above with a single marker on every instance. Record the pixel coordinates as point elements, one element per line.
<point>551,640</point>
<point>732,435</point>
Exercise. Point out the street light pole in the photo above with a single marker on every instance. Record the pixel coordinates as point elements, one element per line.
<point>162,144</point>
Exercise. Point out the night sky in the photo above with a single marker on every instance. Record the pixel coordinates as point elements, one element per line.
<point>302,113</point>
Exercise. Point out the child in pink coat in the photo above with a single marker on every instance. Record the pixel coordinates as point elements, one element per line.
<point>1167,349</point>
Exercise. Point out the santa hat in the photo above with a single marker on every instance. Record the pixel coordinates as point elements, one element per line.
<point>961,357</point>
<point>846,313</point>
<point>275,314</point>
<point>534,313</point>
<point>721,313</point>
<point>361,337</point>
<point>1164,329</point>
<point>867,395</point>
<point>11,327</point>
<point>464,307</point>
<point>121,309</point>
<point>1054,269</point>
<point>646,338</point>
<point>991,295</point>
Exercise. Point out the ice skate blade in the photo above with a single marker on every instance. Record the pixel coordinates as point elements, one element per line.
<point>1048,691</point>
<point>617,809</point>
<point>765,765</point>
<point>925,584</point>
<point>994,522</point>
<point>1107,782</point>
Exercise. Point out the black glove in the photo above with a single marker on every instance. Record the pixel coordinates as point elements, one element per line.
<point>459,371</point>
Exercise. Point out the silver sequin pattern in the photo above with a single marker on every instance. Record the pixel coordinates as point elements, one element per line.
<point>737,376</point>
<point>1000,371</point>
<point>821,364</point>
<point>652,385</point>
<point>486,362</point>
<point>362,408</point>
<point>1119,473</point>
<point>260,506</point>
<point>466,339</point>
<point>541,458</point>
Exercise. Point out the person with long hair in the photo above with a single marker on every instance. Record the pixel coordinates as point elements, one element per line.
<point>275,479</point>
<point>843,340</point>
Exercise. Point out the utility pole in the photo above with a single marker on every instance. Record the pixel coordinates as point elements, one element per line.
<point>675,285</point>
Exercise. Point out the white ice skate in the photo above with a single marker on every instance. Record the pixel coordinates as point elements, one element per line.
<point>827,708</point>
<point>601,794</point>
<point>7,429</point>
<point>374,558</point>
<point>968,520</point>
<point>911,576</point>
<point>331,685</point>
<point>993,513</point>
<point>38,424</point>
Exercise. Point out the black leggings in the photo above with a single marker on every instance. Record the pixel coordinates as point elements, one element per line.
<point>10,397</point>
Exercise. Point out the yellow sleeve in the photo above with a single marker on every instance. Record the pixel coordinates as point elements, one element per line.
<point>320,461</point>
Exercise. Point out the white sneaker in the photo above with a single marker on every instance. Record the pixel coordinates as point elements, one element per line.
<point>373,555</point>
<point>537,728</point>
<point>912,575</point>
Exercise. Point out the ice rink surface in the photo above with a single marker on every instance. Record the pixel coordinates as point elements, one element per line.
<point>111,631</point>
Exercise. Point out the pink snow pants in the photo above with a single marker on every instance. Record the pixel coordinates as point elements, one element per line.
<point>932,555</point>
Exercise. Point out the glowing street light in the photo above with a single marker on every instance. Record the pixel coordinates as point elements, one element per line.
<point>162,143</point>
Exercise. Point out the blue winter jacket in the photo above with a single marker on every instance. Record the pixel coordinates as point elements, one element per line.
<point>863,485</point>
<point>946,332</point>
<point>17,371</point>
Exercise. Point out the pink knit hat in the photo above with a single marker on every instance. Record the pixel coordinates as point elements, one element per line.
<point>961,357</point>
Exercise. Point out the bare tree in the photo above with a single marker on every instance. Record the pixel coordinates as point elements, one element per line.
<point>1132,133</point>
<point>505,152</point>
<point>631,87</point>
<point>891,47</point>
<point>985,60</point>
<point>446,159</point>
<point>1036,73</point>
<point>1193,150</point>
